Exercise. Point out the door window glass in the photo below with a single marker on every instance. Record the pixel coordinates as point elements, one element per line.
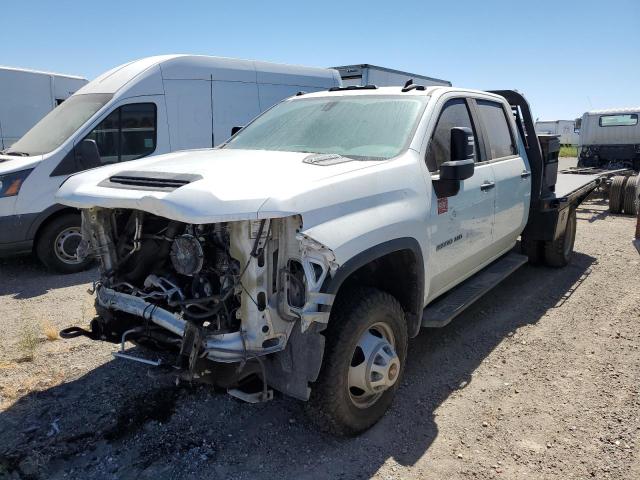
<point>497,129</point>
<point>454,114</point>
<point>127,133</point>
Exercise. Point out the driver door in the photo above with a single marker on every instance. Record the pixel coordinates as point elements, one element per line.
<point>461,226</point>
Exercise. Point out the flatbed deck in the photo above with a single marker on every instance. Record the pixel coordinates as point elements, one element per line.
<point>569,183</point>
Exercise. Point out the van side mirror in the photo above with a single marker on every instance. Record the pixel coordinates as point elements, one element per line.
<point>235,130</point>
<point>461,165</point>
<point>89,155</point>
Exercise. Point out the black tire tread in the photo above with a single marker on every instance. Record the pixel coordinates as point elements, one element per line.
<point>326,406</point>
<point>554,251</point>
<point>616,193</point>
<point>631,196</point>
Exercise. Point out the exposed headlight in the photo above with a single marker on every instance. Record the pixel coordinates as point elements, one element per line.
<point>10,183</point>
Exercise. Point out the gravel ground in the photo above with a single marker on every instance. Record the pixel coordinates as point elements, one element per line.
<point>541,379</point>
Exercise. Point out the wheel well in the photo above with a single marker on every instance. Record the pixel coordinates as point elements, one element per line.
<point>400,274</point>
<point>50,218</point>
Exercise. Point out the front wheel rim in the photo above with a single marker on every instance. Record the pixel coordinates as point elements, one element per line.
<point>65,245</point>
<point>374,367</point>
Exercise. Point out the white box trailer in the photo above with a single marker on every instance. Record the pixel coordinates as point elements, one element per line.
<point>28,95</point>
<point>367,74</point>
<point>146,107</point>
<point>565,129</point>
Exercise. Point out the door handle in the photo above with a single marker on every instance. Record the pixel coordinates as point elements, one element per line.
<point>525,174</point>
<point>487,186</point>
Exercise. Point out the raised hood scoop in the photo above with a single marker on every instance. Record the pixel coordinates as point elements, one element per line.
<point>203,186</point>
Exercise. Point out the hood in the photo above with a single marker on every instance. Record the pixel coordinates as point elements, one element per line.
<point>11,163</point>
<point>221,184</point>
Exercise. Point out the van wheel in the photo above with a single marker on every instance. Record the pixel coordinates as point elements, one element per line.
<point>558,253</point>
<point>631,190</point>
<point>57,243</point>
<point>616,193</point>
<point>365,353</point>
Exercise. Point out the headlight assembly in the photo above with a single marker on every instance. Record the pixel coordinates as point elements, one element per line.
<point>10,183</point>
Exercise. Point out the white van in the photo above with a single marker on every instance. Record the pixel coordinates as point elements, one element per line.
<point>28,95</point>
<point>565,129</point>
<point>147,107</point>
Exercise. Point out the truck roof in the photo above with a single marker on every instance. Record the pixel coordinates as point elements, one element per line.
<point>428,91</point>
<point>613,111</point>
<point>203,67</point>
<point>40,72</point>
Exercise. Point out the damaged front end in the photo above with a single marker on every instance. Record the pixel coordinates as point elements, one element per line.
<point>235,300</point>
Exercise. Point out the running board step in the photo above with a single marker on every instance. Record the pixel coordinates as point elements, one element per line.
<point>450,305</point>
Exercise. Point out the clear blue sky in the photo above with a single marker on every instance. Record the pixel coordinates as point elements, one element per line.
<point>565,56</point>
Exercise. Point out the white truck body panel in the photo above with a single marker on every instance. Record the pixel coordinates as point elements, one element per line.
<point>564,128</point>
<point>591,133</point>
<point>28,95</point>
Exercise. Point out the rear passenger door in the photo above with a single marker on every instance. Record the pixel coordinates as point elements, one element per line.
<point>512,173</point>
<point>461,225</point>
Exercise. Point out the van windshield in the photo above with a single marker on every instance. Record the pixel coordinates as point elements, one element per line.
<point>59,124</point>
<point>372,127</point>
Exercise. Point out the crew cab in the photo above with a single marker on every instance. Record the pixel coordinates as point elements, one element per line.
<point>306,250</point>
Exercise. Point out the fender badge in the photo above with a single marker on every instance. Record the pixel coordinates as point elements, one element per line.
<point>443,205</point>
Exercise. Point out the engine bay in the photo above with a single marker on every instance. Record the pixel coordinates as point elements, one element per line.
<point>228,292</point>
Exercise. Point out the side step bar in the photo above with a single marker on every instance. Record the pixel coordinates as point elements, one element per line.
<point>450,305</point>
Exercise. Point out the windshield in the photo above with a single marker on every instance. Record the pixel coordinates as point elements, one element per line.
<point>362,127</point>
<point>59,124</point>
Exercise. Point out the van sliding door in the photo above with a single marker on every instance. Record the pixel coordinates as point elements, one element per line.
<point>189,113</point>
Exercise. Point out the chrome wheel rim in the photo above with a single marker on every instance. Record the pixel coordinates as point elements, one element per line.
<point>66,244</point>
<point>375,365</point>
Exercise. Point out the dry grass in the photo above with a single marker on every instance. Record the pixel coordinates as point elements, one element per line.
<point>49,330</point>
<point>28,342</point>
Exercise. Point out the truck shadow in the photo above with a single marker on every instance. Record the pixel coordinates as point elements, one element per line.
<point>24,277</point>
<point>123,420</point>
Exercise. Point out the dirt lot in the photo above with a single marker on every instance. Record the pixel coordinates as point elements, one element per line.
<point>539,380</point>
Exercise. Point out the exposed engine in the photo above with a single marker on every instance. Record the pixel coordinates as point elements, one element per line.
<point>228,292</point>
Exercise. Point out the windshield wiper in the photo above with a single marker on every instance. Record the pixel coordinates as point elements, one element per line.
<point>16,154</point>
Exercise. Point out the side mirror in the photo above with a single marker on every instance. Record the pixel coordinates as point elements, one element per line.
<point>461,165</point>
<point>235,130</point>
<point>89,155</point>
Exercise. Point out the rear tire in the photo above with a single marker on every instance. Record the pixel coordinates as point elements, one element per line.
<point>558,253</point>
<point>631,190</point>
<point>533,249</point>
<point>57,242</point>
<point>616,193</point>
<point>363,324</point>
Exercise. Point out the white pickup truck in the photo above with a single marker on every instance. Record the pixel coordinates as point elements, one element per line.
<point>308,249</point>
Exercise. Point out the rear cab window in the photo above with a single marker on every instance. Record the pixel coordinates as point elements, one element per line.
<point>500,139</point>
<point>620,120</point>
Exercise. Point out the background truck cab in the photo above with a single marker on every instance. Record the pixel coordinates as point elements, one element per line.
<point>610,139</point>
<point>147,107</point>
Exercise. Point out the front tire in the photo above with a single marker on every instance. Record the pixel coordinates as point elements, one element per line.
<point>365,354</point>
<point>57,242</point>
